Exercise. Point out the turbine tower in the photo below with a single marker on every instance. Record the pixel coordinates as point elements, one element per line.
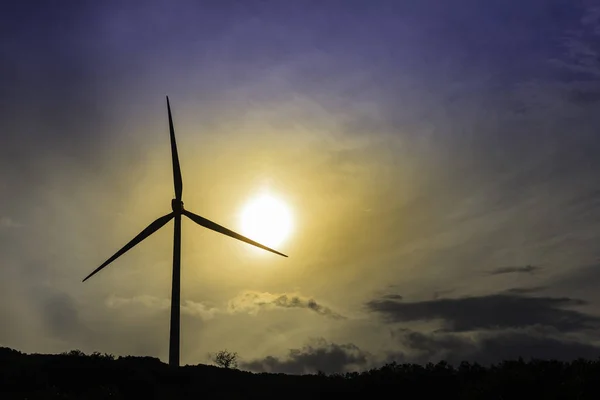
<point>177,212</point>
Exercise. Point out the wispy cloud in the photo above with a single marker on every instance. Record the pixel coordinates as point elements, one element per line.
<point>252,302</point>
<point>188,307</point>
<point>581,45</point>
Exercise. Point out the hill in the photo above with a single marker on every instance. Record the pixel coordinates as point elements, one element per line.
<point>75,375</point>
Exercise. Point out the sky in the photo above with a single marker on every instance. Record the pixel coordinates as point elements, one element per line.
<point>439,158</point>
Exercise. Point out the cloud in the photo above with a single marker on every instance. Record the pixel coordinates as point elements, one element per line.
<point>527,269</point>
<point>251,302</point>
<point>489,347</point>
<point>317,356</point>
<point>188,307</point>
<point>489,312</point>
<point>581,45</point>
<point>438,293</point>
<point>393,297</point>
<point>60,315</point>
<point>583,280</point>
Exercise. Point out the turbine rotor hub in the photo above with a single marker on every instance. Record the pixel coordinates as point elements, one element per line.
<point>177,206</point>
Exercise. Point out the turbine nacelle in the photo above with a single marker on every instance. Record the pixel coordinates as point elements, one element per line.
<point>177,206</point>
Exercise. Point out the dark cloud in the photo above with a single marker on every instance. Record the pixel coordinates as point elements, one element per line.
<point>34,310</point>
<point>60,316</point>
<point>438,293</point>
<point>489,347</point>
<point>489,312</point>
<point>422,348</point>
<point>582,281</point>
<point>311,304</point>
<point>527,269</point>
<point>393,297</point>
<point>318,356</point>
<point>526,290</point>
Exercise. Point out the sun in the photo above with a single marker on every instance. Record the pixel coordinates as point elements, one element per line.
<point>267,220</point>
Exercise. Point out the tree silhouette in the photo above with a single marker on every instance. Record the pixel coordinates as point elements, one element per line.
<point>226,359</point>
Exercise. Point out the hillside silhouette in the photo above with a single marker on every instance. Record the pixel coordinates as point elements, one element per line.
<point>75,375</point>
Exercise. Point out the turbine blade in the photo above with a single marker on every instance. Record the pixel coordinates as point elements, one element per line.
<point>176,167</point>
<point>218,228</point>
<point>150,229</point>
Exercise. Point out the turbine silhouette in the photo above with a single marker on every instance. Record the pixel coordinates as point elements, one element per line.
<point>178,210</point>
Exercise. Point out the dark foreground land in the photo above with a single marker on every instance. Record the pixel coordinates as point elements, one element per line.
<point>79,376</point>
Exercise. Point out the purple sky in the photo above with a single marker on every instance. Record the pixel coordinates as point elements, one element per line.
<point>442,152</point>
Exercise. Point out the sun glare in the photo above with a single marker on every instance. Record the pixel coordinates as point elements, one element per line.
<point>267,220</point>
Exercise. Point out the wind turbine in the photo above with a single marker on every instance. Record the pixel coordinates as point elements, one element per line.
<point>178,211</point>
